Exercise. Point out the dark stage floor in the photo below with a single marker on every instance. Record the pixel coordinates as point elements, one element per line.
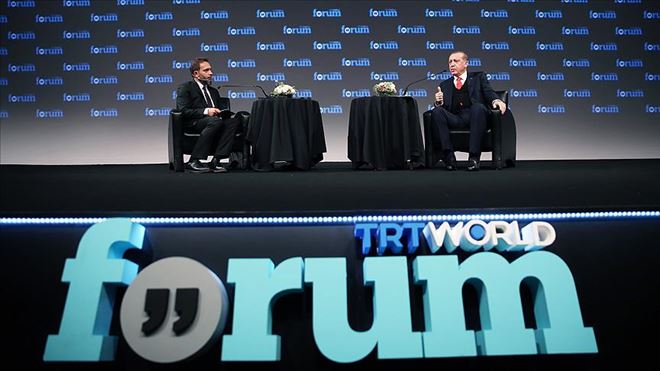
<point>114,190</point>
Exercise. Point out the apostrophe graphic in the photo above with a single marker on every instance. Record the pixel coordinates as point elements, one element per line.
<point>174,309</point>
<point>156,307</point>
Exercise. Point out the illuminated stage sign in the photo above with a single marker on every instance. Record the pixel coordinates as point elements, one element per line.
<point>177,307</point>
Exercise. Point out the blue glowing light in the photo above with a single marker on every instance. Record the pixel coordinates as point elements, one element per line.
<point>337,219</point>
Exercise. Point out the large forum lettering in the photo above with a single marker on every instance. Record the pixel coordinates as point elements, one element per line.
<point>258,283</point>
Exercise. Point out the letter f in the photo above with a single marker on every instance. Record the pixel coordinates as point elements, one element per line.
<point>93,277</point>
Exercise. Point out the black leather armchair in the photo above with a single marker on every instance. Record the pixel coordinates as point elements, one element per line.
<point>500,137</point>
<point>180,142</point>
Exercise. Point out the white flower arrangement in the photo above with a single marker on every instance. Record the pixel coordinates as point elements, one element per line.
<point>385,88</point>
<point>283,89</point>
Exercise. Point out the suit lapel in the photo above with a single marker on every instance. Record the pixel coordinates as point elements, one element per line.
<point>471,85</point>
<point>200,96</point>
<point>215,94</point>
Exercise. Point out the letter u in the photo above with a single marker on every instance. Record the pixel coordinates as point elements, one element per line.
<point>391,329</point>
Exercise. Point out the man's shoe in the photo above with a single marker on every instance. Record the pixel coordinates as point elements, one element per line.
<point>473,165</point>
<point>195,166</point>
<point>215,166</point>
<point>450,161</point>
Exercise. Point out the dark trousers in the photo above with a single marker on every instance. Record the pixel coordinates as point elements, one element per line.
<point>472,118</point>
<point>214,134</point>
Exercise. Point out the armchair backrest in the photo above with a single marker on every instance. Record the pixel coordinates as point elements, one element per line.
<point>224,103</point>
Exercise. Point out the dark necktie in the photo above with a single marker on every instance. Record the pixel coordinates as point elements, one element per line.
<point>207,97</point>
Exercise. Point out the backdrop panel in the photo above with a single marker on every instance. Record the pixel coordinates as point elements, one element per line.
<point>91,81</point>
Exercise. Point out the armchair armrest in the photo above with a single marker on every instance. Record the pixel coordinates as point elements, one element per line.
<point>175,140</point>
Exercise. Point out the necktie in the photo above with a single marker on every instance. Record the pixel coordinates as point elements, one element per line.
<point>207,97</point>
<point>459,83</point>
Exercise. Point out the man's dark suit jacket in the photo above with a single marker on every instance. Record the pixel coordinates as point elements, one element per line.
<point>216,135</point>
<point>478,87</point>
<point>190,101</point>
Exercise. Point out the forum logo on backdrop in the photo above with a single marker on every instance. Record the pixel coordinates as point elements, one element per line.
<point>390,43</point>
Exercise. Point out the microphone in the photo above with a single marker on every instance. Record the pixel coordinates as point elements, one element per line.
<point>245,86</point>
<point>425,78</point>
<point>206,82</point>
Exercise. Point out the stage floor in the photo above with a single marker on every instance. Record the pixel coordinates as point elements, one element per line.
<point>329,188</point>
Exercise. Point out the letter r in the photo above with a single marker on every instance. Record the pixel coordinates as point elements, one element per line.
<point>93,277</point>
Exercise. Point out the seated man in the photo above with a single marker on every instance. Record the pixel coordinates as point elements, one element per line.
<point>198,101</point>
<point>462,101</point>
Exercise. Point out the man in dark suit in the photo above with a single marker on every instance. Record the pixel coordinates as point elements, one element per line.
<point>198,102</point>
<point>462,101</point>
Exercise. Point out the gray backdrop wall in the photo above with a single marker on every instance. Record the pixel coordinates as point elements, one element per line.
<point>91,81</point>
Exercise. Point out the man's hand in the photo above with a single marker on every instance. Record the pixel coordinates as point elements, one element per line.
<point>213,111</point>
<point>439,97</point>
<point>499,105</point>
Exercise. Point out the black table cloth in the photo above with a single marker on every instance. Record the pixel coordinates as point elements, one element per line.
<point>384,133</point>
<point>286,130</point>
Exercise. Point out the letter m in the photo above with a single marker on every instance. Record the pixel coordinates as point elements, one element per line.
<point>560,328</point>
<point>93,277</point>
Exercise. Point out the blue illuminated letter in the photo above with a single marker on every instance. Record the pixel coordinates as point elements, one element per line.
<point>93,277</point>
<point>258,285</point>
<point>503,332</point>
<point>391,329</point>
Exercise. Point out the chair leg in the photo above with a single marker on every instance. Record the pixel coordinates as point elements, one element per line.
<point>178,163</point>
<point>498,163</point>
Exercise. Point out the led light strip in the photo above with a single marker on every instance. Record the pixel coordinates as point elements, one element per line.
<point>307,220</point>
